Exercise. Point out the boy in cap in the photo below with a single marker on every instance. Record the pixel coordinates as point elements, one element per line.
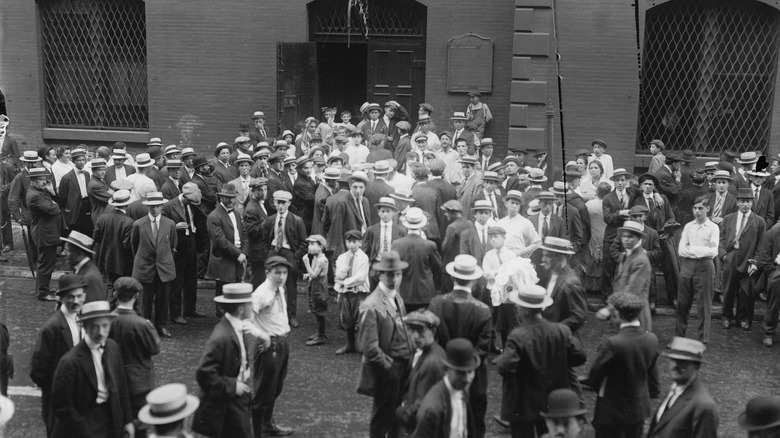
<point>478,115</point>
<point>427,367</point>
<point>255,215</point>
<point>380,236</point>
<point>316,265</point>
<point>634,271</point>
<point>624,374</point>
<point>352,285</point>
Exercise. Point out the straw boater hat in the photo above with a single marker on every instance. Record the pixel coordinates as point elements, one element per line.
<point>300,161</point>
<point>761,413</point>
<point>382,167</point>
<point>686,349</point>
<point>531,296</point>
<point>461,355</point>
<point>331,173</point>
<point>536,176</point>
<point>258,115</point>
<point>120,198</point>
<point>546,196</point>
<point>386,202</point>
<point>289,160</point>
<point>82,241</point>
<point>243,158</point>
<point>533,207</point>
<point>38,172</point>
<point>490,176</point>
<point>721,174</point>
<point>154,141</point>
<point>235,293</point>
<point>143,160</point>
<point>358,175</point>
<point>459,116</point>
<point>620,172</point>
<point>747,158</point>
<point>187,152</point>
<point>77,152</point>
<point>220,146</point>
<point>559,188</point>
<point>425,118</point>
<point>464,267</point>
<point>69,282</point>
<point>97,163</point>
<point>415,219</point>
<point>402,194</point>
<point>172,149</point>
<point>711,166</point>
<point>373,106</point>
<point>95,309</point>
<point>482,204</point>
<point>391,262</point>
<point>173,163</point>
<point>30,157</point>
<point>154,198</point>
<point>168,404</point>
<point>563,403</point>
<point>261,152</point>
<point>757,173</point>
<point>556,244</point>
<point>517,195</point>
<point>118,154</point>
<point>634,227</point>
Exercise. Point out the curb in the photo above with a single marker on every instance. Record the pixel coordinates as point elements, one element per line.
<point>17,272</point>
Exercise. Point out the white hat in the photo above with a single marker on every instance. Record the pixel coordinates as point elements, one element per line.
<point>531,296</point>
<point>465,267</point>
<point>168,404</point>
<point>415,219</point>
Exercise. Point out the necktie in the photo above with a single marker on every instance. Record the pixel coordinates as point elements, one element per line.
<point>498,254</point>
<point>484,235</point>
<point>104,361</point>
<point>359,206</point>
<point>262,131</point>
<point>668,403</point>
<point>385,245</point>
<point>545,228</point>
<point>493,205</point>
<point>279,234</point>
<point>373,125</point>
<point>154,230</point>
<point>650,203</point>
<point>351,265</point>
<point>718,206</point>
<point>739,231</point>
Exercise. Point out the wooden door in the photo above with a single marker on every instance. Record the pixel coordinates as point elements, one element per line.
<point>296,82</point>
<point>396,71</point>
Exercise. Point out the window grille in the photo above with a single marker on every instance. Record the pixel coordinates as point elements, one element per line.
<point>382,17</point>
<point>94,59</point>
<point>708,75</point>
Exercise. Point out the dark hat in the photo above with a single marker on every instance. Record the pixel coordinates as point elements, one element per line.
<point>422,318</point>
<point>69,282</point>
<point>228,190</point>
<point>244,127</point>
<point>638,209</point>
<point>391,262</point>
<point>168,404</point>
<point>582,153</point>
<point>154,152</point>
<point>762,412</point>
<point>626,301</point>
<point>198,161</point>
<point>221,146</point>
<point>563,403</point>
<point>127,284</point>
<point>475,94</point>
<point>427,107</point>
<point>317,138</point>
<point>730,154</point>
<point>651,177</point>
<point>672,157</point>
<point>686,349</point>
<point>688,156</point>
<point>745,194</point>
<point>81,240</point>
<point>274,261</point>
<point>599,142</point>
<point>496,230</point>
<point>698,176</point>
<point>445,133</point>
<point>658,143</point>
<point>353,235</point>
<point>452,205</point>
<point>461,355</point>
<point>95,309</point>
<point>235,293</point>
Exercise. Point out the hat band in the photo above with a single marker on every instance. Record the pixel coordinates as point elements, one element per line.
<point>693,356</point>
<point>558,247</point>
<point>125,199</point>
<point>169,412</point>
<point>532,299</point>
<point>461,271</point>
<point>237,296</point>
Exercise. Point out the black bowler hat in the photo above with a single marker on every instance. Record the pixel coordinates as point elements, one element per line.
<point>761,413</point>
<point>563,403</point>
<point>461,355</point>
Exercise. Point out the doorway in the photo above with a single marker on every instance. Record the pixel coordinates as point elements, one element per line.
<point>342,76</point>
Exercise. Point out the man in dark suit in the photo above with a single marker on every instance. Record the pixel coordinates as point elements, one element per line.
<point>255,216</point>
<point>347,211</point>
<point>153,239</point>
<point>74,197</point>
<point>154,172</point>
<point>137,340</point>
<point>384,342</point>
<point>472,185</point>
<point>426,370</point>
<point>669,177</point>
<point>740,236</point>
<point>119,171</point>
<point>112,243</point>
<point>688,411</point>
<point>450,246</point>
<point>375,124</point>
<point>492,193</point>
<point>86,399</point>
<point>463,316</point>
<point>97,190</point>
<point>546,223</point>
<point>225,369</point>
<point>285,236</point>
<point>721,202</point>
<point>624,374</point>
<point>223,170</point>
<point>46,228</point>
<point>616,206</point>
<point>226,233</point>
<point>277,178</point>
<point>327,188</point>
<point>204,183</point>
<point>378,188</point>
<point>183,211</point>
<point>171,187</point>
<point>422,280</point>
<point>763,200</point>
<point>79,248</point>
<point>634,271</point>
<point>438,417</point>
<point>9,148</point>
<point>474,240</point>
<point>570,306</point>
<point>57,336</point>
<point>536,360</point>
<point>303,192</point>
<point>379,237</point>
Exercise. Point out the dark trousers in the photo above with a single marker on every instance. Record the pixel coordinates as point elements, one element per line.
<point>185,287</point>
<point>478,404</point>
<point>83,223</point>
<point>258,273</point>
<point>48,418</point>
<point>291,287</point>
<point>269,369</point>
<point>98,420</point>
<point>528,429</point>
<point>696,275</point>
<point>609,265</point>
<point>773,306</point>
<point>670,267</point>
<point>737,287</point>
<point>6,234</point>
<point>387,398</point>
<point>47,258</point>
<point>620,431</point>
<point>155,301</point>
<point>137,401</point>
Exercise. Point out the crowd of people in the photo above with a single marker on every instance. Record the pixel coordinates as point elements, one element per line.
<point>440,256</point>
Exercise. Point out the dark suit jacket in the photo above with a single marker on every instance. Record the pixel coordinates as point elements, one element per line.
<point>376,189</point>
<point>372,244</point>
<point>612,206</point>
<point>381,128</point>
<point>403,147</point>
<point>470,243</point>
<point>257,136</point>
<point>17,196</point>
<point>463,316</point>
<point>254,218</point>
<point>136,210</point>
<point>10,148</point>
<point>294,230</point>
<point>423,274</point>
<point>111,173</point>
<point>97,190</point>
<point>658,215</point>
<point>54,340</point>
<point>427,199</point>
<point>96,289</point>
<point>176,211</point>
<point>223,263</point>
<point>157,176</point>
<point>764,206</point>
<point>450,246</point>
<point>113,247</point>
<point>46,218</point>
<point>651,245</point>
<point>208,196</point>
<point>729,205</point>
<point>556,228</point>
<point>570,305</point>
<point>153,257</point>
<point>749,241</point>
<point>216,374</point>
<point>341,215</point>
<point>138,341</point>
<point>428,371</point>
<point>276,182</point>
<point>499,202</point>
<point>633,274</point>
<point>574,226</point>
<point>320,197</point>
<point>625,377</point>
<point>668,186</point>
<point>224,173</point>
<point>693,415</point>
<point>75,390</point>
<point>170,189</point>
<point>303,199</point>
<point>467,194</point>
<point>435,414</point>
<point>446,192</point>
<point>536,360</point>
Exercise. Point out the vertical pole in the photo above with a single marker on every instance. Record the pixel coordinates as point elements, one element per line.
<point>550,114</point>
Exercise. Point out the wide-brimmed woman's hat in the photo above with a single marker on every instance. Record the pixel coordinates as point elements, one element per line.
<point>168,404</point>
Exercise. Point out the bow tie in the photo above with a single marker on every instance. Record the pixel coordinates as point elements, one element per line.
<point>229,210</point>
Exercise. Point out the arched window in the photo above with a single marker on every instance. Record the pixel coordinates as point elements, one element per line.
<point>94,60</point>
<point>708,75</point>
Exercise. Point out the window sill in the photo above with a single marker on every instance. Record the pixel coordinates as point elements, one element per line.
<point>95,135</point>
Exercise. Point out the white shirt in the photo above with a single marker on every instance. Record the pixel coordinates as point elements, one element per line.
<point>551,283</point>
<point>70,318</point>
<point>236,235</point>
<point>270,309</point>
<point>82,182</point>
<point>80,264</point>
<point>237,324</point>
<point>623,197</point>
<point>121,175</point>
<point>97,360</point>
<point>458,427</point>
<point>699,241</point>
<point>541,223</point>
<point>362,213</point>
<point>521,236</point>
<point>59,169</point>
<point>482,233</point>
<point>739,219</point>
<point>352,272</point>
<point>385,238</point>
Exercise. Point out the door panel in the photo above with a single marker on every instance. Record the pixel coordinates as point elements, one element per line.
<point>296,82</point>
<point>396,71</point>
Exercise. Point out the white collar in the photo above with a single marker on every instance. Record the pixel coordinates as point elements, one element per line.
<point>80,264</point>
<point>634,323</point>
<point>92,345</point>
<point>387,292</point>
<point>234,322</point>
<point>153,218</point>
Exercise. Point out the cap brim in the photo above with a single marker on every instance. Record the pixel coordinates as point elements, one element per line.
<point>145,416</point>
<point>382,204</point>
<point>685,357</point>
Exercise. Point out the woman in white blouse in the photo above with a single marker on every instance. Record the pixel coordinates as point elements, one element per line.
<point>591,181</point>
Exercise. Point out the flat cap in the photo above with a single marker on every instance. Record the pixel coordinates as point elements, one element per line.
<point>626,301</point>
<point>452,205</point>
<point>274,261</point>
<point>317,238</point>
<point>127,284</point>
<point>258,182</point>
<point>497,230</point>
<point>353,235</point>
<point>282,195</point>
<point>423,318</point>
